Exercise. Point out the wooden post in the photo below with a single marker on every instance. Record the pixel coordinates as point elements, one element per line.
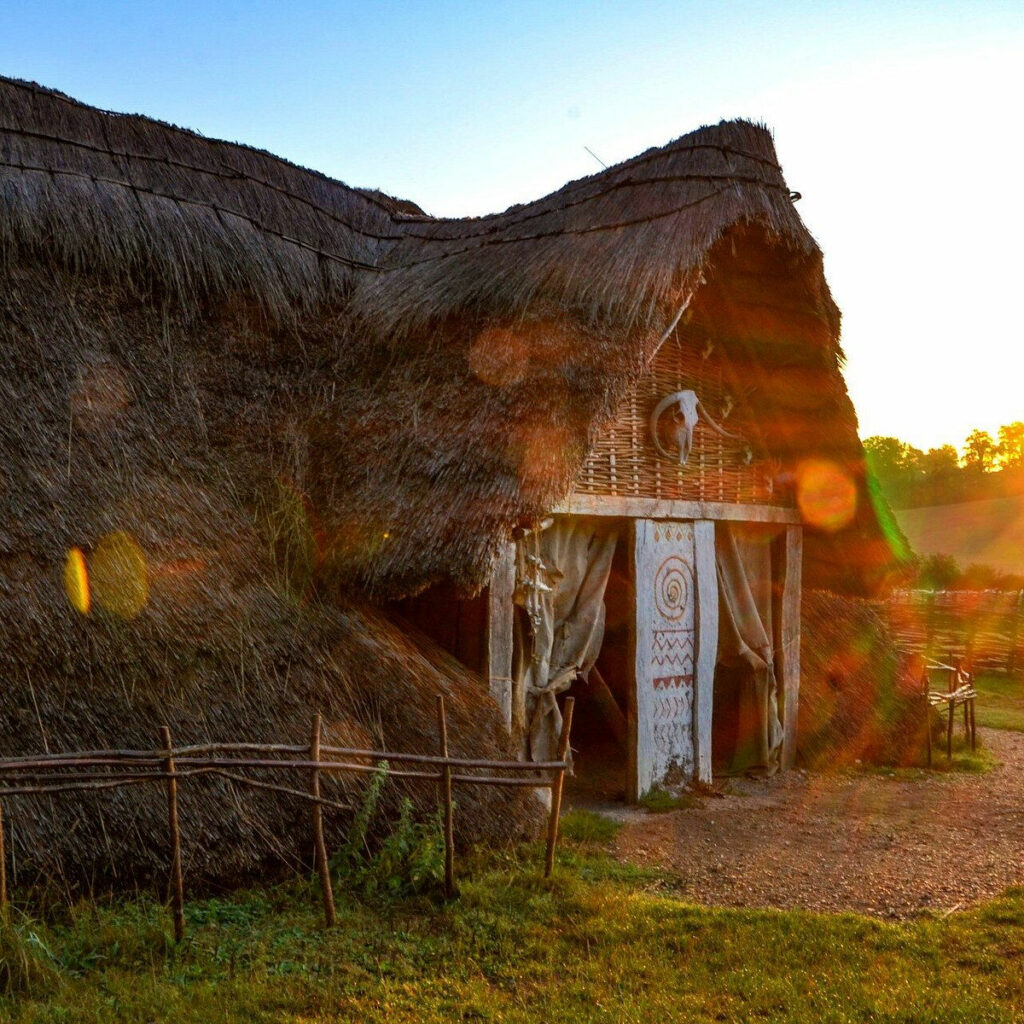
<point>949,734</point>
<point>706,578</point>
<point>500,623</point>
<point>926,687</point>
<point>3,866</point>
<point>790,643</point>
<point>177,883</point>
<point>664,658</point>
<point>974,726</point>
<point>556,787</point>
<point>320,847</point>
<point>446,796</point>
<point>963,678</point>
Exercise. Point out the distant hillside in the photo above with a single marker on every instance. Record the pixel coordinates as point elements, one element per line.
<point>989,532</point>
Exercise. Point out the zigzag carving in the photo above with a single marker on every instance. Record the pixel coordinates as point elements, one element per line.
<point>666,639</point>
<point>673,648</point>
<point>672,709</point>
<point>675,682</point>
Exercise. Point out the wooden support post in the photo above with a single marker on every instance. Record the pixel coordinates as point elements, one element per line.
<point>446,796</point>
<point>177,885</point>
<point>790,643</point>
<point>500,629</point>
<point>949,734</point>
<point>556,787</point>
<point>706,626</point>
<point>925,688</point>
<point>3,866</point>
<point>320,846</point>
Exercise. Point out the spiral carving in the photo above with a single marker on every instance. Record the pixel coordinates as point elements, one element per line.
<point>672,588</point>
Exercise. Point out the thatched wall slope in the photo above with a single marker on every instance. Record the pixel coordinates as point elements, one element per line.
<point>465,366</point>
<point>856,701</point>
<point>126,421</point>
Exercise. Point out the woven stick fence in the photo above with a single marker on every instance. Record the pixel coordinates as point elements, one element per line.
<point>94,770</point>
<point>984,628</point>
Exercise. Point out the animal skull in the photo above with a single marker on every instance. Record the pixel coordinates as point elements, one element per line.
<point>686,415</point>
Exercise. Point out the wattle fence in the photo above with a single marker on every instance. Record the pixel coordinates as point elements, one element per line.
<point>982,628</point>
<point>77,772</point>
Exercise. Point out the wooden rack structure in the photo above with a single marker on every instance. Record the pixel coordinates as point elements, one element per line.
<point>960,693</point>
<point>171,766</point>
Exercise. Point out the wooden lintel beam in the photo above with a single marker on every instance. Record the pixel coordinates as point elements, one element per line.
<point>664,508</point>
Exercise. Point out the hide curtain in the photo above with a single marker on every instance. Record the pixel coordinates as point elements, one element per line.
<point>745,641</point>
<point>561,576</point>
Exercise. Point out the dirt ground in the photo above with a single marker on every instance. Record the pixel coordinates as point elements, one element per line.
<point>864,841</point>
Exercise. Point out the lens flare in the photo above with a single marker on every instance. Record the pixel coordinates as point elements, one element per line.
<point>76,581</point>
<point>826,495</point>
<point>499,356</point>
<point>118,574</point>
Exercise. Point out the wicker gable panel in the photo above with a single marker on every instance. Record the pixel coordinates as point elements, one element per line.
<point>625,462</point>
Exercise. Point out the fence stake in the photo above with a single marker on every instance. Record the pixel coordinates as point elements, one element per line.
<point>320,847</point>
<point>556,787</point>
<point>3,865</point>
<point>926,685</point>
<point>177,883</point>
<point>446,796</point>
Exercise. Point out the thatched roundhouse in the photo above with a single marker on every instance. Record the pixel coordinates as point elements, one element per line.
<point>280,422</point>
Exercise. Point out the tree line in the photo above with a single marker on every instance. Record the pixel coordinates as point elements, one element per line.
<point>985,467</point>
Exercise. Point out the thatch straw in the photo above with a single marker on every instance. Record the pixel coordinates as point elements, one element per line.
<point>465,366</point>
<point>277,385</point>
<point>857,702</point>
<point>123,422</point>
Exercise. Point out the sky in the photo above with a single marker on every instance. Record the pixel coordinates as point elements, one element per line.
<point>899,123</point>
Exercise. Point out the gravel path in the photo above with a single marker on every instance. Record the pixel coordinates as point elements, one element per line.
<point>871,843</point>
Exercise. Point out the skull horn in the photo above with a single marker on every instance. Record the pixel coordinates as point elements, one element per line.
<point>686,403</point>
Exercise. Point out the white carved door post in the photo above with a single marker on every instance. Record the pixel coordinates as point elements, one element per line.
<point>664,655</point>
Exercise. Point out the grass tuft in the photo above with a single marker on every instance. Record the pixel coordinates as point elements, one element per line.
<point>660,801</point>
<point>589,828</point>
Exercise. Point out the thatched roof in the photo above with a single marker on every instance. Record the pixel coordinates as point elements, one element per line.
<point>292,393</point>
<point>464,365</point>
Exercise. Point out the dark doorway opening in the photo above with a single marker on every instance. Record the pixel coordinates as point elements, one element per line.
<point>601,727</point>
<point>457,624</point>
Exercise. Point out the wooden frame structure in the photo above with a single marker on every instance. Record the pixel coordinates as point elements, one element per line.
<point>104,770</point>
<point>684,720</point>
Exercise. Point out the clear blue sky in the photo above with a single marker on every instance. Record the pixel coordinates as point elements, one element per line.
<point>899,122</point>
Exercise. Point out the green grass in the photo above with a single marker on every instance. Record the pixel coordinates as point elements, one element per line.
<point>588,829</point>
<point>1000,703</point>
<point>599,942</point>
<point>661,801</point>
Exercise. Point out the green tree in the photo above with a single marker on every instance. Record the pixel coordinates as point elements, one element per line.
<point>1011,445</point>
<point>979,452</point>
<point>939,572</point>
<point>943,480</point>
<point>896,465</point>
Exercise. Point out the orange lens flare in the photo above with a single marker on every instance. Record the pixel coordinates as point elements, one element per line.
<point>119,576</point>
<point>76,581</point>
<point>826,495</point>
